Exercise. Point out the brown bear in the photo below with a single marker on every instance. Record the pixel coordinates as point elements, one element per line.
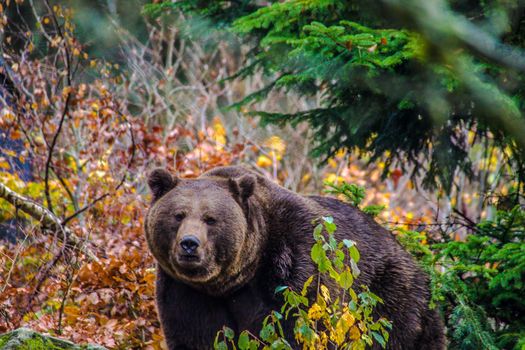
<point>226,240</point>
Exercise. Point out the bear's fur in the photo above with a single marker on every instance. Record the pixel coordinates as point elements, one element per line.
<point>254,236</point>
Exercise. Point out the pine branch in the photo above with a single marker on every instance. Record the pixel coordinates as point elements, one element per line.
<point>45,217</point>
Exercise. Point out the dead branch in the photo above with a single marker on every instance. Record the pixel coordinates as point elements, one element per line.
<point>48,219</point>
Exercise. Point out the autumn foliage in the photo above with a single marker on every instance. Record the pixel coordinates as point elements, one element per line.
<point>78,135</point>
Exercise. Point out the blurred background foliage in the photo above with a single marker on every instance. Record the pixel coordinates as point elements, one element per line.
<point>420,102</point>
<point>408,79</point>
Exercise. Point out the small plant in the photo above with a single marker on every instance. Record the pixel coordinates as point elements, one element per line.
<point>354,195</point>
<point>340,317</point>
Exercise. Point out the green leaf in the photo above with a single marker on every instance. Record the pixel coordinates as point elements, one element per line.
<point>244,341</point>
<point>354,253</point>
<point>379,338</point>
<point>330,227</point>
<point>367,339</point>
<point>355,269</point>
<point>229,333</point>
<point>328,219</point>
<point>279,289</point>
<point>339,259</point>
<point>318,232</point>
<point>267,332</point>
<point>324,264</point>
<point>332,242</point>
<point>317,253</point>
<point>221,346</point>
<point>306,285</point>
<point>334,274</point>
<point>373,210</point>
<point>348,243</point>
<point>278,344</point>
<point>353,295</point>
<point>346,279</point>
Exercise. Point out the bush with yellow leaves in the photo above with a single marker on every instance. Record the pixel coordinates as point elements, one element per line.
<point>342,319</point>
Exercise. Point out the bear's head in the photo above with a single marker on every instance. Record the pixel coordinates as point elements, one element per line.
<point>205,232</point>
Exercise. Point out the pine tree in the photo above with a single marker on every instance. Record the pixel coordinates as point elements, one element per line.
<point>400,79</point>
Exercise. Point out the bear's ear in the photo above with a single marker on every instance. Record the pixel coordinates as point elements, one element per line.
<point>243,186</point>
<point>161,182</point>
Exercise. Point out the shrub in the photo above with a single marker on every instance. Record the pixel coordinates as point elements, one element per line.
<point>342,318</point>
<point>479,282</point>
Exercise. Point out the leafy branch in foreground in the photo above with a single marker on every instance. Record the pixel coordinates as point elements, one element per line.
<point>340,318</point>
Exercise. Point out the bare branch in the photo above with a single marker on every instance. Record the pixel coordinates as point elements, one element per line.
<point>50,153</point>
<point>46,217</point>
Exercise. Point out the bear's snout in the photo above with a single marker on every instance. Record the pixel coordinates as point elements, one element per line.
<point>189,244</point>
<point>188,252</point>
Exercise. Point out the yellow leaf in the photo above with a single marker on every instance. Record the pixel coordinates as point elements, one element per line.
<point>9,152</point>
<point>277,147</point>
<point>5,165</point>
<point>66,91</point>
<point>325,293</point>
<point>334,178</point>
<point>355,334</point>
<point>306,177</point>
<point>99,173</point>
<point>72,310</point>
<point>340,154</point>
<point>315,312</point>
<point>343,325</point>
<point>263,161</point>
<point>219,133</point>
<point>332,163</point>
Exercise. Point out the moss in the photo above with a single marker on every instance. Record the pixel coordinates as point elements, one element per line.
<point>4,339</point>
<point>26,339</point>
<point>37,343</point>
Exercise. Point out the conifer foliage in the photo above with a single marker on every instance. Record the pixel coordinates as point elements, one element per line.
<point>402,78</point>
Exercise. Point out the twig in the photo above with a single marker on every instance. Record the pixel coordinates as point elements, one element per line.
<point>424,224</point>
<point>13,264</point>
<point>50,153</point>
<point>469,223</point>
<point>42,275</point>
<point>71,279</point>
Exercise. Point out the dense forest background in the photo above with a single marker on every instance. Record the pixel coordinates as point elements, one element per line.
<point>419,102</point>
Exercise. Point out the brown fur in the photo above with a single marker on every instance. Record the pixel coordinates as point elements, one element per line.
<point>262,239</point>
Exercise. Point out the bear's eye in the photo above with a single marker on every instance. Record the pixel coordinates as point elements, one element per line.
<point>179,217</point>
<point>210,221</point>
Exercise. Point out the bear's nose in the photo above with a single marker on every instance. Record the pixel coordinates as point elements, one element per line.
<point>190,244</point>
